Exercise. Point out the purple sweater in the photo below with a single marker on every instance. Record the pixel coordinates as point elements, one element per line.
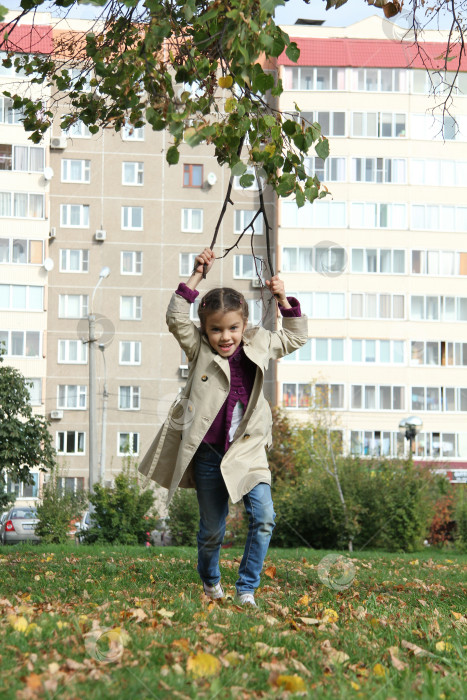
<point>242,377</point>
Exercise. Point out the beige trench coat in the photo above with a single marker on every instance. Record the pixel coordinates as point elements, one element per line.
<point>169,458</point>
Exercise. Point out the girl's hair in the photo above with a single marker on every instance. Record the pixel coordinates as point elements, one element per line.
<point>222,299</point>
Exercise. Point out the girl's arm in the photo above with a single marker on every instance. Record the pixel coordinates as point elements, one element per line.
<point>207,257</point>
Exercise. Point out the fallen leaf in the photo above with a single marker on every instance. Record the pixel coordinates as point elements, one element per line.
<point>417,651</point>
<point>443,646</point>
<point>53,667</point>
<point>310,620</point>
<point>294,683</point>
<point>19,624</point>
<point>330,615</point>
<point>203,665</point>
<point>333,656</point>
<point>304,600</point>
<point>264,649</point>
<point>396,662</point>
<point>354,685</point>
<point>165,613</point>
<point>34,682</point>
<point>137,614</point>
<point>270,571</point>
<point>298,666</point>
<point>379,670</point>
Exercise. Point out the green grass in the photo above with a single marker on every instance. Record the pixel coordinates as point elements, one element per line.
<point>60,593</point>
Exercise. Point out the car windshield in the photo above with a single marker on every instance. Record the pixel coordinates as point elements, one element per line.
<point>23,513</point>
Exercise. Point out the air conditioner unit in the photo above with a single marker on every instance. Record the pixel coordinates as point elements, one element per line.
<point>100,235</point>
<point>56,415</point>
<point>58,142</point>
<point>256,283</point>
<point>52,232</point>
<point>184,371</point>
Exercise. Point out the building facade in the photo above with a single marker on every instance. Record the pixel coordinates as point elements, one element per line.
<point>380,265</point>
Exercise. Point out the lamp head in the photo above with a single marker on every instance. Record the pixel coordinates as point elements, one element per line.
<point>105,272</point>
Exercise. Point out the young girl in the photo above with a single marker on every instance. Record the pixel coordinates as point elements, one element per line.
<point>218,429</point>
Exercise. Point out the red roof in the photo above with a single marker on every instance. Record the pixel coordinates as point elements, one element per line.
<point>361,53</point>
<point>27,38</point>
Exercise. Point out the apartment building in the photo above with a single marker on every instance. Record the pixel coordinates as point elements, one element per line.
<point>116,204</point>
<point>25,177</point>
<point>380,265</point>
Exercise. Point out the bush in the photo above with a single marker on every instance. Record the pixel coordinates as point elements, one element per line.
<point>57,509</point>
<point>184,517</point>
<point>120,511</point>
<point>460,515</point>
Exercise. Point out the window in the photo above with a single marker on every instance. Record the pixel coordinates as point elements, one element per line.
<point>435,173</point>
<point>313,78</point>
<point>332,123</point>
<point>74,215</point>
<point>23,158</point>
<point>438,217</point>
<point>192,220</point>
<point>72,260</point>
<point>132,218</point>
<point>305,395</point>
<point>255,311</point>
<point>330,170</point>
<point>376,443</point>
<point>72,352</point>
<point>21,251</point>
<point>441,353</point>
<point>9,115</point>
<point>433,127</point>
<point>130,308</point>
<point>435,398</point>
<point>194,311</point>
<point>71,396</point>
<point>375,260</point>
<point>438,82</point>
<point>132,173</point>
<point>72,305</point>
<point>76,170</point>
<point>256,185</point>
<point>387,170</point>
<point>380,79</point>
<point>438,262</point>
<point>35,391</point>
<point>440,445</point>
<point>130,352</point>
<point>377,215</point>
<point>249,221</point>
<point>21,343</point>
<point>129,398</point>
<point>322,304</point>
<point>70,442</point>
<point>22,205</point>
<point>192,175</point>
<point>377,351</point>
<point>186,263</point>
<point>131,262</point>
<point>128,444</point>
<point>78,130</point>
<point>247,267</point>
<point>379,124</point>
<point>319,214</point>
<point>132,133</point>
<point>434,308</point>
<point>70,484</point>
<point>22,490</point>
<point>377,305</point>
<point>377,398</point>
<point>15,297</point>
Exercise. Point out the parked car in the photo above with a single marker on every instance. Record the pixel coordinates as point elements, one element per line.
<point>19,526</point>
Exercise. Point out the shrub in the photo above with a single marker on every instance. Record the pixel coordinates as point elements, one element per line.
<point>184,517</point>
<point>119,511</point>
<point>460,515</point>
<point>57,509</point>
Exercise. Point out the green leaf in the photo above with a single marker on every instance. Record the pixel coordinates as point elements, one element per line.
<point>292,52</point>
<point>263,82</point>
<point>290,127</point>
<point>247,180</point>
<point>172,156</point>
<point>322,148</point>
<point>300,198</point>
<point>238,169</point>
<point>3,11</point>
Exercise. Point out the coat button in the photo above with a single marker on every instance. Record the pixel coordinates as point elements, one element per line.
<point>246,436</point>
<point>204,378</point>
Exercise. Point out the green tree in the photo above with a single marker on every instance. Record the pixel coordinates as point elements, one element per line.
<point>57,509</point>
<point>25,441</point>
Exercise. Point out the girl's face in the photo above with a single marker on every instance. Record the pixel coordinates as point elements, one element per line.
<point>224,331</point>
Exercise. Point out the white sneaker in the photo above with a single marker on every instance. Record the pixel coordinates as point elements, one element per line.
<point>246,599</point>
<point>214,592</point>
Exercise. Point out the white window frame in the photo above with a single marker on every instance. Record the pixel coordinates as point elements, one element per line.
<point>187,218</point>
<point>377,395</point>
<point>135,349</point>
<point>8,346</point>
<point>395,163</point>
<point>12,196</point>
<point>28,242</point>
<point>64,351</point>
<point>376,438</point>
<point>443,315</point>
<point>136,262</point>
<point>65,256</point>
<point>137,168</point>
<point>378,270</point>
<point>85,170</point>
<point>132,133</point>
<point>379,125</point>
<point>135,398</point>
<point>357,75</point>
<point>292,76</point>
<point>28,294</point>
<point>242,220</point>
<point>77,439</point>
<point>65,215</point>
<point>132,438</point>
<point>238,271</point>
<point>377,296</point>
<point>323,168</point>
<point>128,212</point>
<point>136,303</point>
<point>63,303</point>
<point>65,401</point>
<point>371,215</point>
<point>186,262</point>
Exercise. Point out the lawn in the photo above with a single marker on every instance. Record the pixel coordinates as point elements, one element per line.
<point>127,622</point>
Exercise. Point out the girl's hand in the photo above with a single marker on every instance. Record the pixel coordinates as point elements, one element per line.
<point>207,257</point>
<point>277,288</point>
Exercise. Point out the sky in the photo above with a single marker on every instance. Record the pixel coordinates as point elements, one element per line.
<point>353,11</point>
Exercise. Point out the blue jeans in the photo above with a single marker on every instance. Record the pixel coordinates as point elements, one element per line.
<point>213,500</point>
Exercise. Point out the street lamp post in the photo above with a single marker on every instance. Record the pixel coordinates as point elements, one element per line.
<point>105,272</point>
<point>409,427</point>
<point>105,396</point>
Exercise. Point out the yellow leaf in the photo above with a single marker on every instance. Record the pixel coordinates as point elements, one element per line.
<point>225,81</point>
<point>203,665</point>
<point>19,624</point>
<point>31,627</point>
<point>457,615</point>
<point>230,104</point>
<point>270,571</point>
<point>354,685</point>
<point>379,670</point>
<point>62,625</point>
<point>304,600</point>
<point>310,620</point>
<point>37,577</point>
<point>53,668</point>
<point>270,148</point>
<point>233,657</point>
<point>165,613</point>
<point>414,562</point>
<point>293,683</point>
<point>330,615</point>
<point>443,646</point>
